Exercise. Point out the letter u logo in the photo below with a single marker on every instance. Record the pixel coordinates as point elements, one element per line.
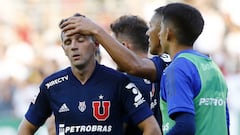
<point>97,112</point>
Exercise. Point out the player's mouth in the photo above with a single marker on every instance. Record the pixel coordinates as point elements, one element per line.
<point>76,57</point>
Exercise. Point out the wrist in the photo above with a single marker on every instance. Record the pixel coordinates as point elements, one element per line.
<point>98,33</point>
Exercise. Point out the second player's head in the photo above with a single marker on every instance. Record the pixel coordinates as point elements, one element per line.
<point>154,29</point>
<point>130,31</point>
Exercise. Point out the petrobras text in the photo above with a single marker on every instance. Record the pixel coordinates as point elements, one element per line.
<point>84,129</point>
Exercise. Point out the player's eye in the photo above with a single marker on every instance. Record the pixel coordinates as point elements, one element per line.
<point>67,42</point>
<point>81,39</point>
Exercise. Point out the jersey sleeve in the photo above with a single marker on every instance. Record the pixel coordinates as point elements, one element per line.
<point>161,62</point>
<point>179,88</point>
<point>39,109</point>
<point>134,103</point>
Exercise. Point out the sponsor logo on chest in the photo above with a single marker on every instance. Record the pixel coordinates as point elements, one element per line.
<point>56,81</point>
<point>63,129</point>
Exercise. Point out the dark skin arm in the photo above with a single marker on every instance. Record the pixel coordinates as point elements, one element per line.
<point>127,60</point>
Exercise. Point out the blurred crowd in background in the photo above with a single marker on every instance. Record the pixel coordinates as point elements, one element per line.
<point>30,46</point>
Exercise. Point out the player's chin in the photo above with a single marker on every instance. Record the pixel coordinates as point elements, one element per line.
<point>80,66</point>
<point>78,63</point>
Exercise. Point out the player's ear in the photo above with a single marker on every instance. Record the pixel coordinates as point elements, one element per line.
<point>63,49</point>
<point>126,44</point>
<point>169,34</point>
<point>95,42</point>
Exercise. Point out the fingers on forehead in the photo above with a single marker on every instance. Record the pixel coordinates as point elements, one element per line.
<point>62,21</point>
<point>78,14</point>
<point>70,18</point>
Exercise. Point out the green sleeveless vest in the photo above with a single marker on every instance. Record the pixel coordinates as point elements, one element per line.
<point>210,103</point>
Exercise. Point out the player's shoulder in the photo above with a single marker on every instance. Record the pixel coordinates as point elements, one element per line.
<point>111,73</point>
<point>162,60</point>
<point>56,78</point>
<point>165,57</point>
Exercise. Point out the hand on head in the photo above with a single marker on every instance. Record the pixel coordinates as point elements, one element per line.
<point>76,24</point>
<point>64,20</point>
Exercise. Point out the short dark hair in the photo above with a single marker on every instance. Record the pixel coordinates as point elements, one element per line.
<point>134,28</point>
<point>159,10</point>
<point>187,21</point>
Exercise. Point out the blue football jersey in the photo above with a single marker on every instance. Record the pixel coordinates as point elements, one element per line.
<point>96,107</point>
<point>150,91</point>
<point>147,89</point>
<point>160,62</point>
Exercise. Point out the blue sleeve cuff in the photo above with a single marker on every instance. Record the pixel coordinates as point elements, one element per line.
<point>140,115</point>
<point>184,124</point>
<point>35,118</point>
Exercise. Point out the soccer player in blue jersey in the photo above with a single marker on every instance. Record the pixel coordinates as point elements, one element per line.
<point>130,31</point>
<point>50,122</point>
<point>87,98</point>
<point>193,89</point>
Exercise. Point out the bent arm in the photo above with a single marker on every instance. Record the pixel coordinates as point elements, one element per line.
<point>126,60</point>
<point>150,126</point>
<point>26,128</point>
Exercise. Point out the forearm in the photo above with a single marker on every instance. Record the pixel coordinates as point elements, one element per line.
<point>125,59</point>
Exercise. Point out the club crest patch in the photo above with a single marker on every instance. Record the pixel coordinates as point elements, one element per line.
<point>82,106</point>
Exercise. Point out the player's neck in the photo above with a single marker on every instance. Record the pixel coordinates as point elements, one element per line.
<point>176,48</point>
<point>142,54</point>
<point>85,73</point>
